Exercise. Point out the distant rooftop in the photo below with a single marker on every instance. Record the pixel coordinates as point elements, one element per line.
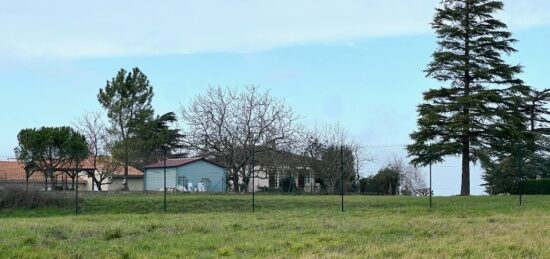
<point>176,162</point>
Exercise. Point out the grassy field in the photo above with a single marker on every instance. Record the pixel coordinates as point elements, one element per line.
<point>211,226</point>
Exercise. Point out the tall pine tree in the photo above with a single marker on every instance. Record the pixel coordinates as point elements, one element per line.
<point>127,99</point>
<point>470,110</point>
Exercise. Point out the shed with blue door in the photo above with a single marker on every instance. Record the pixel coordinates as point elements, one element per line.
<point>185,174</point>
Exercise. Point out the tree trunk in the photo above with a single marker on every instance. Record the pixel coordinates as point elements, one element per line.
<point>95,181</point>
<point>330,187</point>
<point>26,180</point>
<point>126,162</point>
<point>93,184</point>
<point>98,184</point>
<point>465,188</point>
<point>235,180</point>
<point>246,177</point>
<point>52,180</point>
<point>246,182</point>
<point>533,115</point>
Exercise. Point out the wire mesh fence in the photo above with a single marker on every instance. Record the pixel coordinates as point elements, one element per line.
<point>386,179</point>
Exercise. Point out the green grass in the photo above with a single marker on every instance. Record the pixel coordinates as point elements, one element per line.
<point>212,226</point>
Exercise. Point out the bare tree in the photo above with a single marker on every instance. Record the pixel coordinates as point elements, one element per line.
<point>230,126</point>
<point>328,147</point>
<point>107,166</point>
<point>361,157</point>
<point>93,127</point>
<point>411,181</point>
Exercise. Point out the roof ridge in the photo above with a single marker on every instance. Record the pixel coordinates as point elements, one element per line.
<point>176,162</point>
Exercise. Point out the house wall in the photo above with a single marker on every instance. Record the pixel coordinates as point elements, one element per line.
<point>154,179</point>
<point>303,180</point>
<point>201,170</point>
<point>89,182</point>
<point>104,187</point>
<point>194,173</point>
<point>261,179</point>
<point>82,186</point>
<point>134,184</point>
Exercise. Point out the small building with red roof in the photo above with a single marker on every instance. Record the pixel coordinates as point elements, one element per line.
<point>14,174</point>
<point>116,175</point>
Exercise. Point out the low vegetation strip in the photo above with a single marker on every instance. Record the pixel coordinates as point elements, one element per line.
<point>233,203</point>
<point>282,226</point>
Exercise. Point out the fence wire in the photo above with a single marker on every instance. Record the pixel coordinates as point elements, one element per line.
<point>365,185</point>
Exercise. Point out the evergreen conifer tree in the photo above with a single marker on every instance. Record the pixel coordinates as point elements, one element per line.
<point>479,92</point>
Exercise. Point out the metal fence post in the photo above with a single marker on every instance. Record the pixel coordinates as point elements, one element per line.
<point>520,178</point>
<point>76,176</point>
<point>253,182</point>
<point>164,158</point>
<point>342,175</point>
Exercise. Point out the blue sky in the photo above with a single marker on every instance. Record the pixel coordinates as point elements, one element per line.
<point>358,63</point>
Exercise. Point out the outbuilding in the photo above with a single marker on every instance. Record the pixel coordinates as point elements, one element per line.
<point>196,174</point>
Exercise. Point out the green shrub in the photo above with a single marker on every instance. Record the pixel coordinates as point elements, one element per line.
<point>385,182</point>
<point>536,187</point>
<point>28,199</point>
<point>288,184</point>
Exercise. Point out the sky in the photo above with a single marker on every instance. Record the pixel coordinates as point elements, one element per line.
<point>359,63</point>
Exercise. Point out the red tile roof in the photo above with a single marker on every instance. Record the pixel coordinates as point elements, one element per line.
<point>132,171</point>
<point>180,162</point>
<point>84,165</point>
<point>15,171</point>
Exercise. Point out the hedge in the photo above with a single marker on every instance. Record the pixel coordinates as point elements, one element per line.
<point>21,198</point>
<point>536,187</point>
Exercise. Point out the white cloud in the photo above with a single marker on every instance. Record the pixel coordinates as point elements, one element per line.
<point>104,28</point>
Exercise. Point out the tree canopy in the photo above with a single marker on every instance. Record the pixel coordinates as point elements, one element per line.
<point>151,140</point>
<point>329,147</point>
<point>48,149</point>
<point>127,99</point>
<point>476,110</point>
<point>527,161</point>
<point>230,126</point>
<point>140,135</point>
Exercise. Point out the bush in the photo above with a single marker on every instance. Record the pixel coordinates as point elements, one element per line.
<point>385,182</point>
<point>288,184</point>
<point>28,199</point>
<point>536,187</point>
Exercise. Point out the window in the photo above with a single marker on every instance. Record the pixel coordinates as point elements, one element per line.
<point>307,179</point>
<point>277,180</point>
